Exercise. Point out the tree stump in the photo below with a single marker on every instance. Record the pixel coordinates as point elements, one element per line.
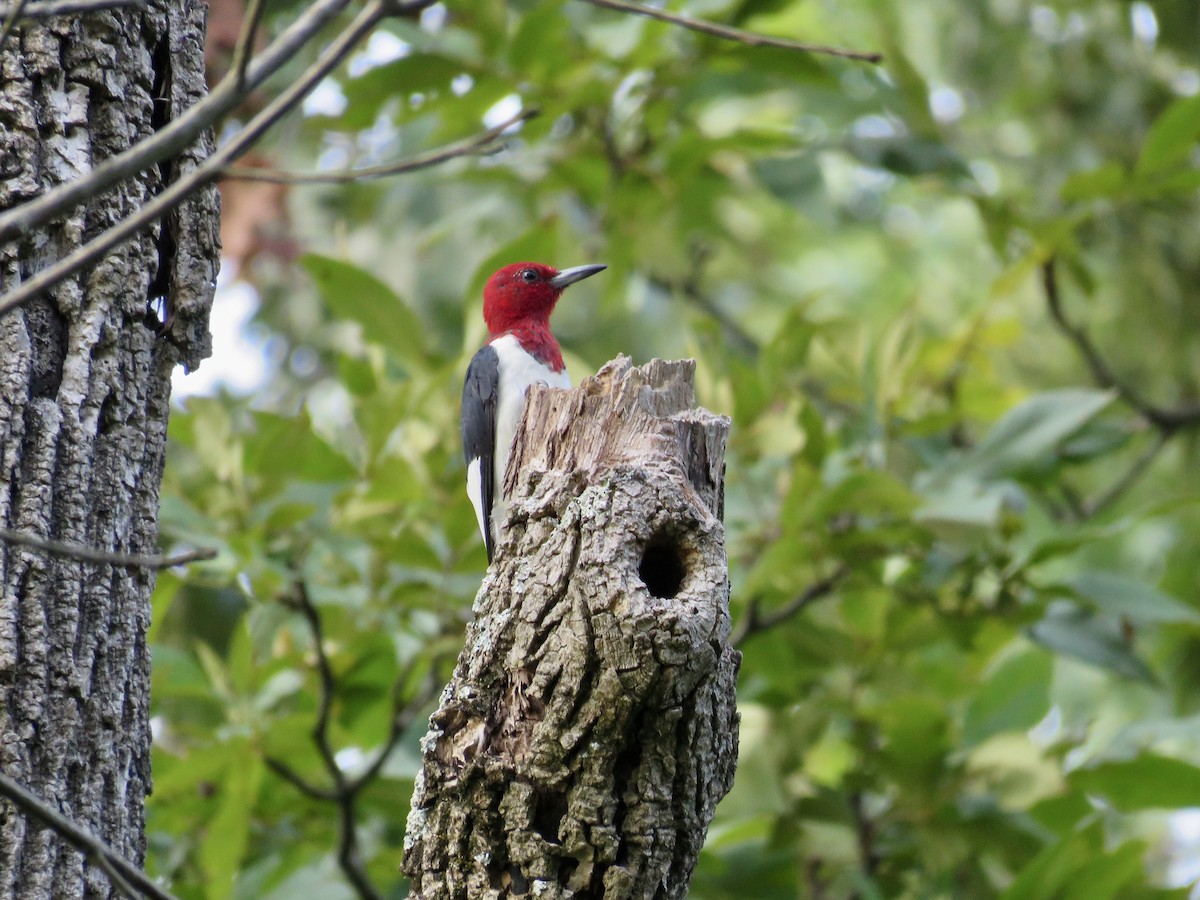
<point>590,726</point>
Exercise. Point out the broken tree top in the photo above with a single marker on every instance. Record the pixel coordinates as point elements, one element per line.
<point>624,416</point>
<point>590,726</point>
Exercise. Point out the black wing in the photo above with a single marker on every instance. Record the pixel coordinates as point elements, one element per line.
<point>479,399</point>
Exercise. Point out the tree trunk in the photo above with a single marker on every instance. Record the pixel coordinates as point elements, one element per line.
<point>590,727</point>
<point>84,388</point>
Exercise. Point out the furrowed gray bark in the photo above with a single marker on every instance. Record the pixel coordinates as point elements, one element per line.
<point>590,727</point>
<point>84,388</point>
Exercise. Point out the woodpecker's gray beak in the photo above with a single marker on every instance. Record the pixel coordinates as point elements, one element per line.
<point>574,274</point>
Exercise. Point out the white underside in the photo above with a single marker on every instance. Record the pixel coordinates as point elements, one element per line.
<point>475,492</point>
<point>518,370</point>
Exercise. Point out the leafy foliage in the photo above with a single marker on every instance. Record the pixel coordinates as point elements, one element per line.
<point>991,696</point>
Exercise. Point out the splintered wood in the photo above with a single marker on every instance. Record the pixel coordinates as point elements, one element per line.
<point>590,726</point>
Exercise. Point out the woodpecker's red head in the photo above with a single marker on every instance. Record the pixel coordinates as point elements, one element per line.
<point>523,294</point>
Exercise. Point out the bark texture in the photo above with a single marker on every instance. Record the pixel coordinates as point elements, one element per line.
<point>84,388</point>
<point>590,727</point>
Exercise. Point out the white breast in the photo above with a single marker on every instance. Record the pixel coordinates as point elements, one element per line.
<point>518,370</point>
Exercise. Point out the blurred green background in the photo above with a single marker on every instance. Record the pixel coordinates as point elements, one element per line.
<point>990,688</point>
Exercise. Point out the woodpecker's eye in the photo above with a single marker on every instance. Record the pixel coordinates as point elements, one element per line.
<point>529,276</point>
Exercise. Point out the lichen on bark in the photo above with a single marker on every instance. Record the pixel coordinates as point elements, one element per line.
<point>590,726</point>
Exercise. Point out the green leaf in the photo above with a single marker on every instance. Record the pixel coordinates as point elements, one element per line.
<point>178,674</point>
<point>1125,596</point>
<point>228,832</point>
<point>1017,273</point>
<point>1031,430</point>
<point>355,295</point>
<point>1148,781</point>
<point>1015,697</point>
<point>787,353</point>
<point>179,780</point>
<point>751,829</point>
<point>914,728</point>
<point>1061,813</point>
<point>1096,439</point>
<point>276,439</point>
<point>281,685</point>
<point>1076,632</point>
<point>749,8</point>
<point>912,90</point>
<point>867,492</point>
<point>358,375</point>
<point>1078,867</point>
<point>1107,874</point>
<point>960,506</point>
<point>419,73</point>
<point>1179,182</point>
<point>1171,138</point>
<point>777,65</point>
<point>1107,180</point>
<point>908,155</point>
<point>1062,543</point>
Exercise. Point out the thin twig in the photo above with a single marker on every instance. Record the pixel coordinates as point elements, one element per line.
<point>404,712</point>
<point>729,33</point>
<point>177,134</point>
<point>1132,474</point>
<point>138,882</point>
<point>328,686</point>
<point>344,792</point>
<point>1163,418</point>
<point>754,621</point>
<point>114,876</point>
<point>245,42</point>
<point>207,171</point>
<point>53,9</point>
<point>348,855</point>
<point>400,167</point>
<point>299,782</point>
<point>84,553</point>
<point>689,286</point>
<point>1073,503</point>
<point>10,21</point>
<point>864,830</point>
<point>812,874</point>
<point>734,332</point>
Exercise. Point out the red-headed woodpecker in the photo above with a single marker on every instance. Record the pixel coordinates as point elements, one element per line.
<point>520,352</point>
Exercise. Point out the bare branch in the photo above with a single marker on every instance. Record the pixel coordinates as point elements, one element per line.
<point>864,830</point>
<point>342,795</point>
<point>115,878</point>
<point>1165,419</point>
<point>298,781</point>
<point>245,43</point>
<point>404,712</point>
<point>729,33</point>
<point>344,792</point>
<point>320,730</point>
<point>754,621</point>
<point>737,336</point>
<point>53,9</point>
<point>1073,503</point>
<point>85,553</point>
<point>178,133</point>
<point>207,171</point>
<point>478,143</point>
<point>130,879</point>
<point>1132,474</point>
